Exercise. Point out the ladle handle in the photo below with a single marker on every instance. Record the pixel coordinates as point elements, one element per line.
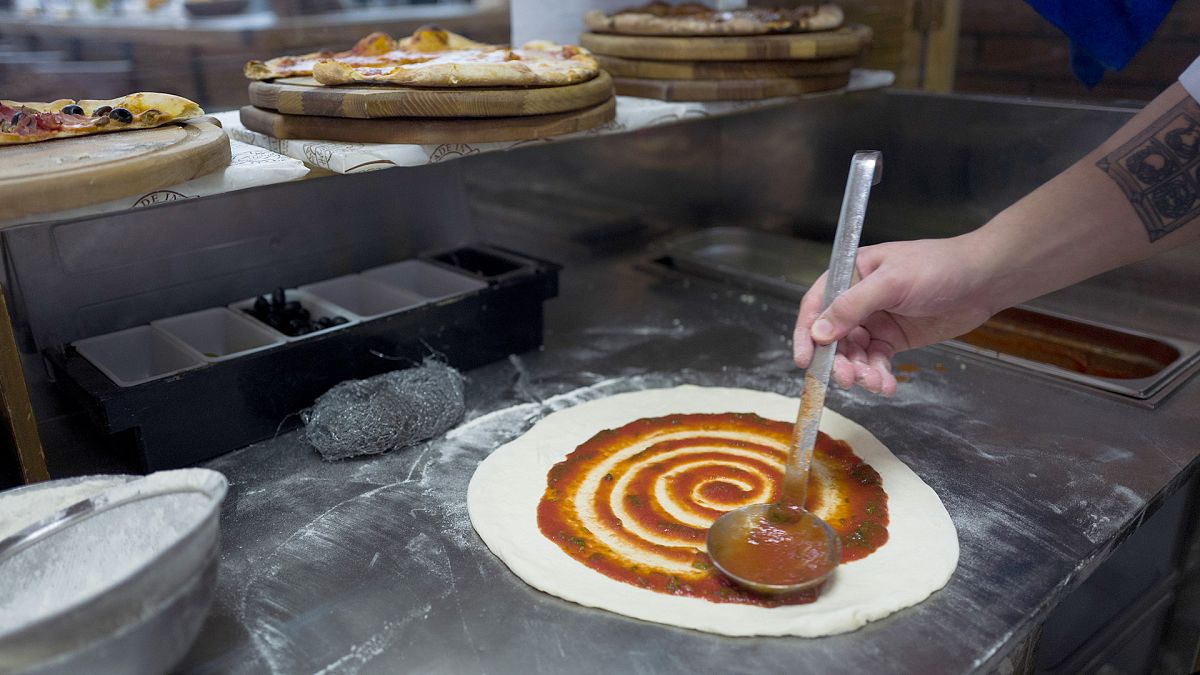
<point>866,169</point>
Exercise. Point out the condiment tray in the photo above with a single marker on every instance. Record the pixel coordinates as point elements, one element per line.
<point>187,388</point>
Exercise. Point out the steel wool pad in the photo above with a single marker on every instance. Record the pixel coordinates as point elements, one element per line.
<point>385,412</point>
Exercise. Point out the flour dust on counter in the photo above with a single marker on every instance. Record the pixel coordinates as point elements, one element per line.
<point>505,494</point>
<point>333,560</point>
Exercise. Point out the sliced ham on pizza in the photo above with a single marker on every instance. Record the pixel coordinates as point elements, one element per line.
<point>66,118</point>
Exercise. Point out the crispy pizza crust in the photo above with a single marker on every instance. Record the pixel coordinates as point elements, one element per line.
<point>169,106</point>
<point>149,110</point>
<point>660,18</point>
<point>537,63</point>
<point>376,46</point>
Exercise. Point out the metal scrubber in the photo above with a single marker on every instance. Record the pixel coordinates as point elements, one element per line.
<point>385,412</point>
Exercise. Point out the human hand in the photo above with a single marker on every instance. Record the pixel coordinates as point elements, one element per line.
<point>910,294</point>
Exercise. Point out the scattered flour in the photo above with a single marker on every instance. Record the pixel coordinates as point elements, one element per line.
<point>352,534</point>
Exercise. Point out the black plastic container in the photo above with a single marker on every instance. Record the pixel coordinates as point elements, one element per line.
<point>204,412</point>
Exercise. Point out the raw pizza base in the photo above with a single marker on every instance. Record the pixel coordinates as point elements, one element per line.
<point>502,499</point>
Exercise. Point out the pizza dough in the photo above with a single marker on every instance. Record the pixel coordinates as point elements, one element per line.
<point>502,499</point>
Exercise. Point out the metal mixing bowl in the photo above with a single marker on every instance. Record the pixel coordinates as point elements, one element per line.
<point>142,623</point>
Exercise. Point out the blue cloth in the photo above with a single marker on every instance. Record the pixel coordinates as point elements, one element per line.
<point>1105,34</point>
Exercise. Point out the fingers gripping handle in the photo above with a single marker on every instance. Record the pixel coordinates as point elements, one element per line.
<point>866,170</point>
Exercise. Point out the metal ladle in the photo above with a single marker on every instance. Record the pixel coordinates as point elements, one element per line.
<point>785,527</point>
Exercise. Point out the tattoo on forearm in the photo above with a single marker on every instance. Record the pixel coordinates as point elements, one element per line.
<point>1159,170</point>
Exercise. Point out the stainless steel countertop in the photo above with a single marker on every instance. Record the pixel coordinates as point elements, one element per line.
<point>372,565</point>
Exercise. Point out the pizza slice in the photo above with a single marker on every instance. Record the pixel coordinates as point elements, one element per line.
<point>64,118</point>
<point>423,41</point>
<point>661,18</point>
<point>538,63</point>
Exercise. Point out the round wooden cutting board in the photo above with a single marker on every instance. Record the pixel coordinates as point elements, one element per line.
<point>303,96</point>
<point>722,70</point>
<point>71,172</point>
<point>727,90</point>
<point>848,40</point>
<point>426,131</point>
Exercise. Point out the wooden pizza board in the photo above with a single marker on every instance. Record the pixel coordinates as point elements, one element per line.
<point>71,172</point>
<point>304,96</point>
<point>727,90</point>
<point>723,70</point>
<point>426,131</point>
<point>848,40</point>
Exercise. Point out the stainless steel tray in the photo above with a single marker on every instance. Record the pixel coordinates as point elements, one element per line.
<point>1169,357</point>
<point>785,266</point>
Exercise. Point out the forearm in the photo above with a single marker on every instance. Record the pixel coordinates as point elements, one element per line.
<point>1123,202</point>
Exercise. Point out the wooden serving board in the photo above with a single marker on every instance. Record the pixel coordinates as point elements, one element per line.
<point>71,172</point>
<point>304,96</point>
<point>426,131</point>
<point>722,70</point>
<point>727,90</point>
<point>848,40</point>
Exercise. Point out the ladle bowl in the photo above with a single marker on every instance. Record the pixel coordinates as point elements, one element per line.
<point>764,543</point>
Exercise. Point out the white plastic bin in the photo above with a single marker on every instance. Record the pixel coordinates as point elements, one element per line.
<point>219,334</point>
<point>428,281</point>
<point>317,309</point>
<point>363,297</point>
<point>136,355</point>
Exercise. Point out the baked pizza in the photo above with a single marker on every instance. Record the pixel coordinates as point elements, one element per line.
<point>432,57</point>
<point>538,63</point>
<point>65,118</point>
<point>369,50</point>
<point>661,18</point>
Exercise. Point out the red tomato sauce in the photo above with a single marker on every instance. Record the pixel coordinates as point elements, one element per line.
<point>782,548</point>
<point>699,475</point>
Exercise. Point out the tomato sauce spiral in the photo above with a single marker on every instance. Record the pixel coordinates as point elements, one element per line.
<point>635,503</point>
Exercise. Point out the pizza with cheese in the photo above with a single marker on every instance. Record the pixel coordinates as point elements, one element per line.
<point>661,18</point>
<point>369,50</point>
<point>538,63</point>
<point>66,118</point>
<point>432,57</point>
